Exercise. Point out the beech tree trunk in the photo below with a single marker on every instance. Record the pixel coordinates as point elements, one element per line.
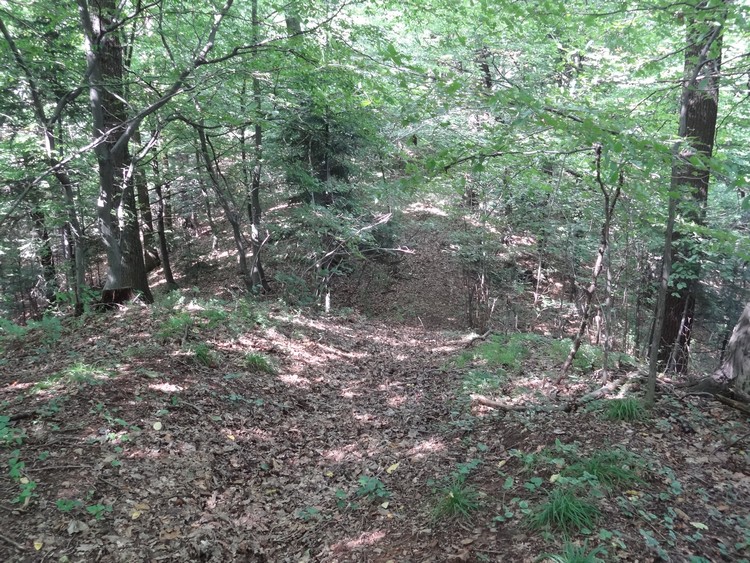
<point>690,174</point>
<point>116,209</point>
<point>735,370</point>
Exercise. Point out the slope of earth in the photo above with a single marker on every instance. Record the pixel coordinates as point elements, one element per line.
<point>207,430</point>
<point>163,434</point>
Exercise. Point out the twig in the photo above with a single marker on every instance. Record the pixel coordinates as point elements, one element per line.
<point>14,543</point>
<point>731,444</point>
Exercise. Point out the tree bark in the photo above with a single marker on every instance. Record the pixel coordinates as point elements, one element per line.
<point>735,370</point>
<point>116,210</point>
<point>690,174</point>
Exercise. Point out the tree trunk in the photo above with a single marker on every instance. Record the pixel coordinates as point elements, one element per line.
<point>160,189</point>
<point>150,256</point>
<point>229,207</point>
<point>257,276</point>
<point>46,259</point>
<point>736,367</point>
<point>690,174</point>
<point>116,210</point>
<point>610,202</point>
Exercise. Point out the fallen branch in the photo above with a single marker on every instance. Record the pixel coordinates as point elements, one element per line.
<point>742,407</point>
<point>484,401</point>
<point>478,338</point>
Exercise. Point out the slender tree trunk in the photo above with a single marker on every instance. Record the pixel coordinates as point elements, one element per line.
<point>51,147</point>
<point>162,186</point>
<point>690,174</point>
<point>610,201</point>
<point>229,207</point>
<point>257,276</point>
<point>46,259</point>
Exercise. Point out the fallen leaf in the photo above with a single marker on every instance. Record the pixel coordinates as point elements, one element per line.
<point>699,525</point>
<point>38,544</point>
<point>157,425</point>
<point>393,467</point>
<point>77,527</point>
<point>681,514</point>
<point>135,514</point>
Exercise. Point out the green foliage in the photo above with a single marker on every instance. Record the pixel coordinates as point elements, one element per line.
<point>67,505</point>
<point>9,435</point>
<point>257,362</point>
<point>565,511</point>
<point>99,510</point>
<point>11,330</point>
<point>16,471</point>
<point>505,352</point>
<point>573,553</point>
<point>610,468</point>
<point>458,500</point>
<point>308,513</point>
<point>629,410</point>
<point>204,354</point>
<point>372,488</point>
<point>176,326</point>
<point>483,381</point>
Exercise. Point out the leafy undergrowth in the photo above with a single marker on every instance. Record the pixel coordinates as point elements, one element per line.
<point>201,430</point>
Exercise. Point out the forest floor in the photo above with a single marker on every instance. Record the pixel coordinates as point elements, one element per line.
<point>201,430</point>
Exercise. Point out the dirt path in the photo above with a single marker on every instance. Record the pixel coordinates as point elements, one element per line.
<point>323,460</point>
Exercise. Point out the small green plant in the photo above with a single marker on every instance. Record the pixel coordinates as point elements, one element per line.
<point>176,326</point>
<point>204,355</point>
<point>11,330</point>
<point>259,362</point>
<point>458,500</point>
<point>573,553</point>
<point>610,468</point>
<point>26,485</point>
<point>483,381</point>
<point>565,511</point>
<point>372,488</point>
<point>8,434</point>
<point>308,513</point>
<point>629,410</point>
<point>98,510</point>
<point>214,312</point>
<point>67,505</point>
